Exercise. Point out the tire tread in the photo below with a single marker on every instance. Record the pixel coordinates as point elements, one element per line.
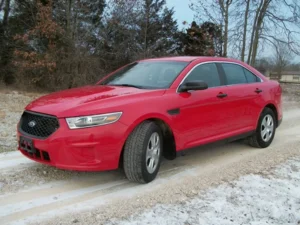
<point>254,140</point>
<point>133,152</point>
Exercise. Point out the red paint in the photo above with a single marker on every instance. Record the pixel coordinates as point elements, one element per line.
<point>203,117</point>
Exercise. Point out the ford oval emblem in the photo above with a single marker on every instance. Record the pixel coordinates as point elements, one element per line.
<point>32,123</point>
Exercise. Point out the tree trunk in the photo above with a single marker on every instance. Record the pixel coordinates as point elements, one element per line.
<point>68,15</point>
<point>224,6</point>
<point>6,15</point>
<point>253,32</point>
<point>226,33</point>
<point>69,28</point>
<point>258,29</point>
<point>4,46</point>
<point>245,30</point>
<point>1,4</point>
<point>146,28</point>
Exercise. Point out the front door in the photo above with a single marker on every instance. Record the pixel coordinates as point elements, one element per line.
<point>201,116</point>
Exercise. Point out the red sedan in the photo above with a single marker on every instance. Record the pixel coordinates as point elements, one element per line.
<point>151,109</point>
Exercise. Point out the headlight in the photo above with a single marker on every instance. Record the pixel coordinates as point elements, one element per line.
<point>94,120</point>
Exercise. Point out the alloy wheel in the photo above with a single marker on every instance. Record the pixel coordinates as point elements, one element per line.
<point>267,128</point>
<point>153,152</point>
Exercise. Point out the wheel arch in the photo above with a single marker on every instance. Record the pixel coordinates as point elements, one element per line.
<point>169,139</point>
<point>274,109</point>
<point>256,140</point>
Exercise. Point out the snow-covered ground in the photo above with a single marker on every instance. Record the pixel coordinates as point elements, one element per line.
<point>253,199</point>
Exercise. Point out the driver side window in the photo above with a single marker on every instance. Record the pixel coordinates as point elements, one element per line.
<point>206,72</point>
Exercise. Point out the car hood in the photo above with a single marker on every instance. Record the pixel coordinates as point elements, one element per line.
<point>73,102</point>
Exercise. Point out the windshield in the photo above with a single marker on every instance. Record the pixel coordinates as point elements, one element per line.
<point>146,74</point>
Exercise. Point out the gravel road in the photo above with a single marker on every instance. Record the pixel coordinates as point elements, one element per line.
<point>31,193</point>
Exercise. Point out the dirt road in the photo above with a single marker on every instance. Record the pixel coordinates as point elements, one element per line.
<point>31,193</point>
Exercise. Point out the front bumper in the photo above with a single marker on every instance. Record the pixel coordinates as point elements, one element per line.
<point>89,149</point>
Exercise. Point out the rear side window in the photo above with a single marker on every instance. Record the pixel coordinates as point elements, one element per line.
<point>206,72</point>
<point>251,78</point>
<point>234,74</point>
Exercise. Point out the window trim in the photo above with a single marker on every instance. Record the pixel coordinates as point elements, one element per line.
<point>260,80</point>
<point>245,70</point>
<point>224,73</point>
<point>202,63</point>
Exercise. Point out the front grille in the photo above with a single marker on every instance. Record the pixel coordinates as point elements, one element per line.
<point>38,125</point>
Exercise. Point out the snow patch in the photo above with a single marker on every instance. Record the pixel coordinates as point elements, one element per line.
<point>252,199</point>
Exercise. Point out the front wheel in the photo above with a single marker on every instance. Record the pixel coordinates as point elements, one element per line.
<point>142,153</point>
<point>265,130</point>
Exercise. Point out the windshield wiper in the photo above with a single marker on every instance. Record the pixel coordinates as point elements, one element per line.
<point>127,85</point>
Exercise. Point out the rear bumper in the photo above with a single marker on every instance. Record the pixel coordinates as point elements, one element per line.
<point>89,149</point>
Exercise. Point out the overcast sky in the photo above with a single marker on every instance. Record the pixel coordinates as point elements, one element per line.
<point>182,11</point>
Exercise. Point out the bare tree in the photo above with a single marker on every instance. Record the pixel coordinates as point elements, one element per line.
<point>218,12</point>
<point>4,48</point>
<point>1,4</point>
<point>282,18</point>
<point>246,16</point>
<point>253,26</point>
<point>257,27</point>
<point>275,21</point>
<point>281,58</point>
<point>224,6</point>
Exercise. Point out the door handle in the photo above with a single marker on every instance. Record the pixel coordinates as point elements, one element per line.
<point>222,95</point>
<point>258,90</point>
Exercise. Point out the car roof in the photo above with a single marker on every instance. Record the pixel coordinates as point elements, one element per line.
<point>200,59</point>
<point>174,58</point>
<point>193,58</point>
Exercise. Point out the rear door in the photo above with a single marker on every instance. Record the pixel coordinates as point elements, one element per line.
<point>244,96</point>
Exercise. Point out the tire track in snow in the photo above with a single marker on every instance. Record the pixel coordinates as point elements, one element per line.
<point>10,212</point>
<point>14,160</point>
<point>15,163</point>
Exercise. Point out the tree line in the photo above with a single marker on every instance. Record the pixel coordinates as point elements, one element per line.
<point>55,44</point>
<point>250,27</point>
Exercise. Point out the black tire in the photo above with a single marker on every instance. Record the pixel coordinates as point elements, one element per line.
<point>134,160</point>
<point>256,140</point>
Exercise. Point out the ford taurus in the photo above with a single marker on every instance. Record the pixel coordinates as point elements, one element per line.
<point>151,109</point>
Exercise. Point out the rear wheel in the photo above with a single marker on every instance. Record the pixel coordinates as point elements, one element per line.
<point>142,153</point>
<point>265,130</point>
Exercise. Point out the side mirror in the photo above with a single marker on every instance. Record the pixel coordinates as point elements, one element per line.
<point>193,86</point>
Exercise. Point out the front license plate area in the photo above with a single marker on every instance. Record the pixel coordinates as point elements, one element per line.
<point>27,145</point>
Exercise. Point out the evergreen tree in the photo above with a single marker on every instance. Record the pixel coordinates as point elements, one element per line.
<point>66,43</point>
<point>203,40</point>
<point>137,29</point>
<point>156,29</point>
